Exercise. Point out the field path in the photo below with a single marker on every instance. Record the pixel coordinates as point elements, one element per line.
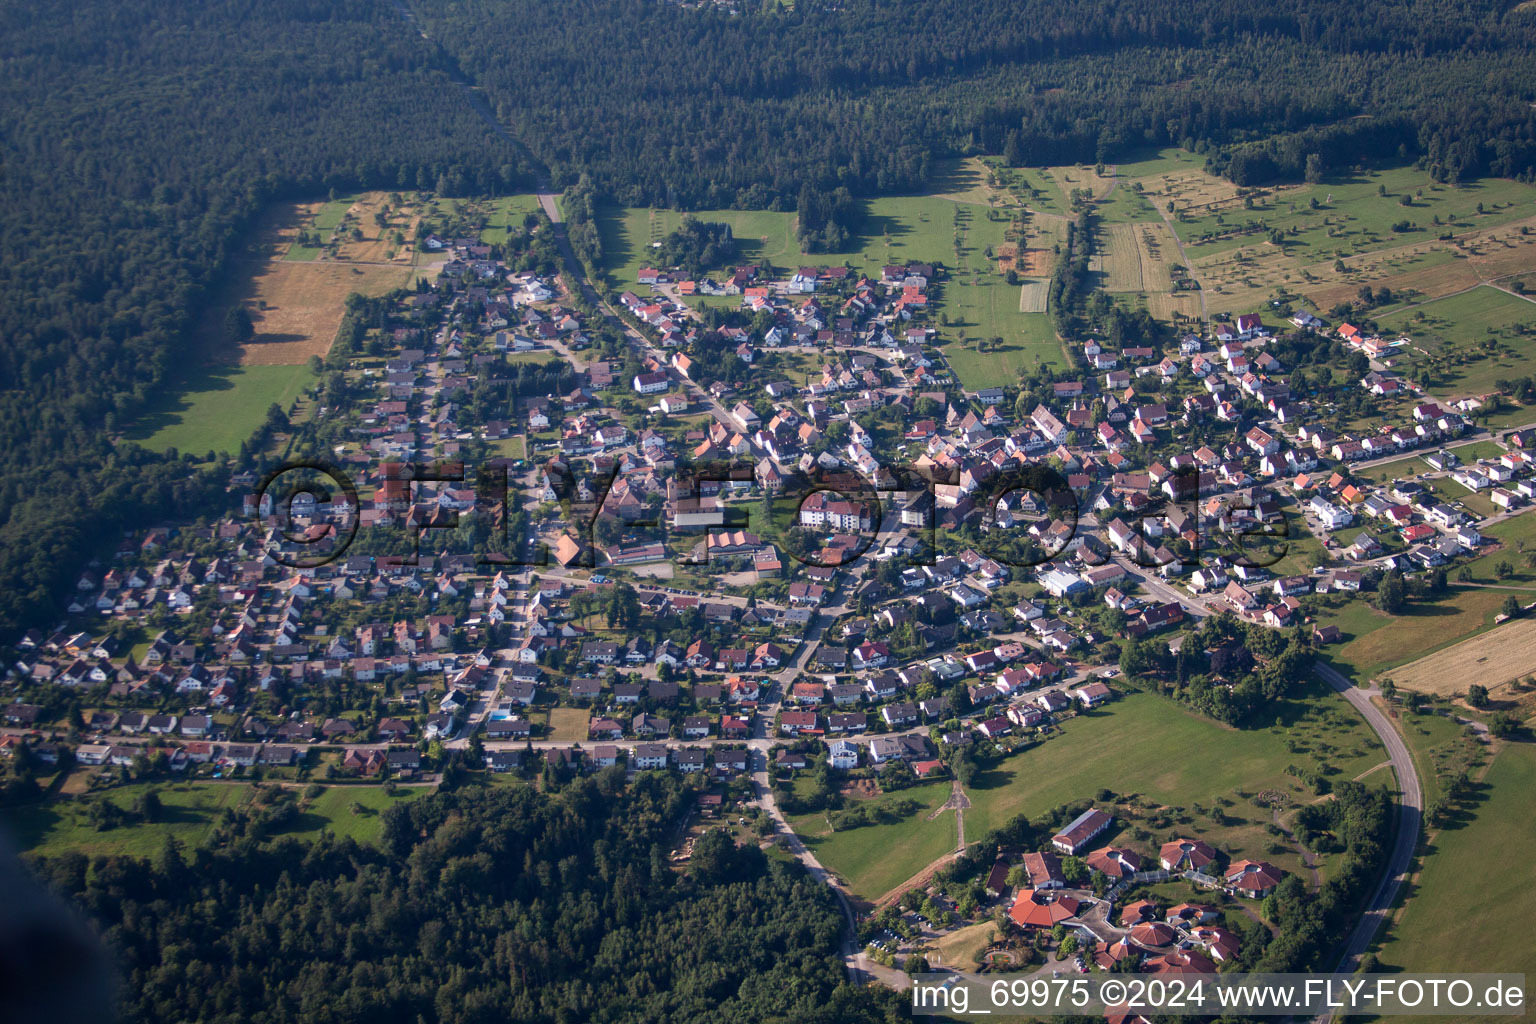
<point>1307,856</point>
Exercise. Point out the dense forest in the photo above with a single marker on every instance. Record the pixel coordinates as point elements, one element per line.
<point>484,904</point>
<point>711,107</point>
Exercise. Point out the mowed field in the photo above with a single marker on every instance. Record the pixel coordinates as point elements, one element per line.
<point>1138,257</point>
<point>214,408</point>
<point>1465,914</point>
<point>1378,642</point>
<point>1453,332</point>
<point>1491,659</point>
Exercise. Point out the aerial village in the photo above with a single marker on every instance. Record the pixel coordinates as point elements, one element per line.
<point>758,549</point>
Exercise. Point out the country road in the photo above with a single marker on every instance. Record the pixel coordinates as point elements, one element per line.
<point>1409,818</point>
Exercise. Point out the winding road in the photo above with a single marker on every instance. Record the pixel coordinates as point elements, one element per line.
<point>1410,814</point>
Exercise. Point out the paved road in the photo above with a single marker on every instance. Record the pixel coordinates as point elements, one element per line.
<point>1409,818</point>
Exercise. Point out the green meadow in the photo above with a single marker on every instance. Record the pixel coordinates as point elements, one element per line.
<point>1463,913</point>
<point>216,407</point>
<point>1148,746</point>
<point>326,220</point>
<point>874,859</point>
<point>190,810</point>
<point>1353,216</point>
<point>507,213</point>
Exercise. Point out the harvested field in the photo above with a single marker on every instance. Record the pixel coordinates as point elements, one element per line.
<point>377,241</point>
<point>1191,190</point>
<point>1034,262</point>
<point>1491,659</point>
<point>1158,250</point>
<point>296,307</point>
<point>1164,305</point>
<point>1032,296</point>
<point>1122,259</point>
<point>334,224</point>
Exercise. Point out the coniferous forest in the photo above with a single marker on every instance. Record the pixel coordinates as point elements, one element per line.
<point>483,905</point>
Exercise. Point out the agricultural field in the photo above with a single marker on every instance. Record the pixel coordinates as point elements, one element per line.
<point>874,859</point>
<point>1225,230</point>
<point>335,222</point>
<point>1145,745</point>
<point>1455,886</point>
<point>295,305</point>
<point>296,308</point>
<point>1379,642</point>
<point>1494,659</point>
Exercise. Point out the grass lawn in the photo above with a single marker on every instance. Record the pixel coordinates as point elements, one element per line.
<point>217,407</point>
<point>509,448</point>
<point>1146,745</point>
<point>568,724</point>
<point>1032,342</point>
<point>1456,886</point>
<point>874,859</point>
